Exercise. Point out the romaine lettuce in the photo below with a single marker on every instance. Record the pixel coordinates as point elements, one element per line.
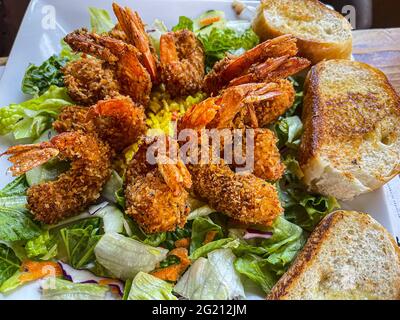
<point>184,23</point>
<point>200,227</point>
<point>147,287</point>
<point>125,257</point>
<point>214,278</point>
<point>15,225</point>
<point>9,263</point>
<point>43,247</point>
<point>209,247</point>
<point>14,193</point>
<point>31,118</point>
<point>100,20</point>
<point>38,79</point>
<point>58,289</point>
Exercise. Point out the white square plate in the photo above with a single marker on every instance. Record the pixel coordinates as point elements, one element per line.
<point>36,42</point>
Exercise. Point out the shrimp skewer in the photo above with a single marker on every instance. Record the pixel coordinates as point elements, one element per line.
<point>156,194</point>
<point>269,61</point>
<point>133,28</point>
<point>75,189</point>
<point>122,58</point>
<point>182,62</point>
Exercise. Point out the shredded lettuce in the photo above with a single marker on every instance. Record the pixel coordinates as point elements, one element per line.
<point>147,287</point>
<point>301,207</point>
<point>43,247</point>
<point>184,23</point>
<point>200,228</point>
<point>58,289</point>
<point>100,20</point>
<point>38,79</point>
<point>31,118</point>
<point>9,263</point>
<point>125,257</point>
<point>256,269</point>
<point>214,278</point>
<point>112,187</point>
<point>209,247</point>
<point>78,242</point>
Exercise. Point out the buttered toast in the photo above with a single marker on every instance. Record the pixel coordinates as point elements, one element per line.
<point>351,142</point>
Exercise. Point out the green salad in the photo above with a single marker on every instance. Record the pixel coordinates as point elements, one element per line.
<point>102,252</point>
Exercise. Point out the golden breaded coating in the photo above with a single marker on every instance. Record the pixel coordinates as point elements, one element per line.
<point>89,80</point>
<point>118,121</point>
<point>267,159</point>
<point>182,62</point>
<point>156,194</point>
<point>73,190</point>
<point>243,197</point>
<point>269,111</point>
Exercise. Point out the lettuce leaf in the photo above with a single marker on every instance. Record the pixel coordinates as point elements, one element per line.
<point>301,207</point>
<point>79,240</point>
<point>58,289</point>
<point>289,131</point>
<point>31,118</point>
<point>221,41</point>
<point>111,188</point>
<point>147,287</point>
<point>38,79</point>
<point>14,194</point>
<point>43,247</point>
<point>209,247</point>
<point>201,226</point>
<point>184,23</point>
<point>125,257</point>
<point>256,269</point>
<point>100,20</point>
<point>214,278</point>
<point>15,225</point>
<point>9,263</point>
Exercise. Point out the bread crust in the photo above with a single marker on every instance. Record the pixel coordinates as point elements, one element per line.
<point>342,120</point>
<point>313,50</point>
<point>306,258</point>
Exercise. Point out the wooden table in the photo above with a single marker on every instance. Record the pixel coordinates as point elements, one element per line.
<point>380,48</point>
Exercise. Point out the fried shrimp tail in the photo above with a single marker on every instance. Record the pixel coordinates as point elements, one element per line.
<point>269,61</point>
<point>122,59</point>
<point>243,197</point>
<point>119,121</point>
<point>75,189</point>
<point>133,27</point>
<point>182,62</point>
<point>156,193</point>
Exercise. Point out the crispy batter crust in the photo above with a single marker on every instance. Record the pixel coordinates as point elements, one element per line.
<point>77,188</point>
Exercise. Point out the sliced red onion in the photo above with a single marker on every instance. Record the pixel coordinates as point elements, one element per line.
<point>253,234</point>
<point>96,208</point>
<point>84,276</point>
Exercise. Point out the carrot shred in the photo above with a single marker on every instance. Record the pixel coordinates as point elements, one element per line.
<point>34,270</point>
<point>210,236</point>
<point>172,273</point>
<point>182,243</point>
<point>207,21</point>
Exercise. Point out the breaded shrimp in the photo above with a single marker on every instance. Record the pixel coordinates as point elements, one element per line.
<point>133,27</point>
<point>182,62</point>
<point>118,121</point>
<point>225,111</point>
<point>243,197</point>
<point>89,80</point>
<point>122,58</point>
<point>156,194</point>
<point>73,190</point>
<point>269,61</point>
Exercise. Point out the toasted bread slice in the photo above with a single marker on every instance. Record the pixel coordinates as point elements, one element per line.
<point>351,142</point>
<point>321,33</point>
<point>348,256</point>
